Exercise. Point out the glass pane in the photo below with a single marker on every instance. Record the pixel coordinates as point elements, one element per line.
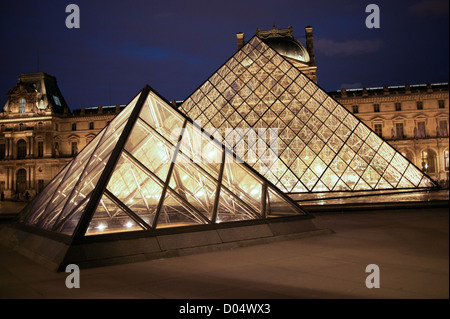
<point>194,186</point>
<point>95,167</point>
<point>135,188</point>
<point>230,209</point>
<point>162,118</point>
<point>278,206</point>
<point>38,205</point>
<point>241,182</point>
<point>150,149</point>
<point>110,218</point>
<point>68,224</point>
<point>175,213</point>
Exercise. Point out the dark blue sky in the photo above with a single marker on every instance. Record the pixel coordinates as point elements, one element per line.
<point>175,45</point>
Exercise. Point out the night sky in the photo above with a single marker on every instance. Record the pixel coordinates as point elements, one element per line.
<point>175,45</point>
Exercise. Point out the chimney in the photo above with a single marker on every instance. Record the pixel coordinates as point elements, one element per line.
<point>240,40</point>
<point>310,43</point>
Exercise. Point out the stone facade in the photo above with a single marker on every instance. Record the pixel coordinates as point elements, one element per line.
<point>412,118</point>
<point>39,135</point>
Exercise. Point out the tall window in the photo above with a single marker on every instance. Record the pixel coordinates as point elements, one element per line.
<point>446,160</point>
<point>428,161</point>
<point>441,104</point>
<point>74,126</point>
<point>91,125</point>
<point>21,180</point>
<point>74,148</point>
<point>21,149</point>
<point>40,149</point>
<point>399,130</point>
<point>2,151</point>
<point>398,106</point>
<point>40,185</point>
<point>419,105</point>
<point>355,108</point>
<point>443,128</point>
<point>22,105</point>
<point>376,107</point>
<point>378,128</point>
<point>421,130</point>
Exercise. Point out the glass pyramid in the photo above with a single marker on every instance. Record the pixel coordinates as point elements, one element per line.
<point>287,128</point>
<point>153,168</point>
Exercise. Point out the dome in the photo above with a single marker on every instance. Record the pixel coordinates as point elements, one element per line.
<point>289,47</point>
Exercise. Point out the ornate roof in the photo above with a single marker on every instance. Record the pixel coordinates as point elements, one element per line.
<point>283,41</point>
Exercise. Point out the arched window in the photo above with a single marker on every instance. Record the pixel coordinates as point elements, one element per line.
<point>22,105</point>
<point>21,149</point>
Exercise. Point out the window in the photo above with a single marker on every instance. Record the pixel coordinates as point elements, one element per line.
<point>21,149</point>
<point>22,105</point>
<point>40,149</point>
<point>376,107</point>
<point>378,128</point>
<point>74,126</point>
<point>21,180</point>
<point>2,151</point>
<point>398,106</point>
<point>57,101</point>
<point>419,105</point>
<point>40,126</point>
<point>441,104</point>
<point>40,185</point>
<point>56,127</point>
<point>443,128</point>
<point>428,161</point>
<point>74,148</point>
<point>21,127</point>
<point>355,108</point>
<point>91,125</point>
<point>399,130</point>
<point>421,130</point>
<point>446,160</point>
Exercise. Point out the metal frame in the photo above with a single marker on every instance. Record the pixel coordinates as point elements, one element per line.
<point>83,224</point>
<point>118,150</point>
<point>222,78</point>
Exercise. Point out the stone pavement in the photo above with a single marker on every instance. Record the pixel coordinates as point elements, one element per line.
<point>410,247</point>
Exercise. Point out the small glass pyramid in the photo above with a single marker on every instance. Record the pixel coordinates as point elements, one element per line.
<point>287,128</point>
<point>153,168</point>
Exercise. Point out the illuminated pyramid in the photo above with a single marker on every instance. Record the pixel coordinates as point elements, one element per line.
<point>287,128</point>
<point>150,172</point>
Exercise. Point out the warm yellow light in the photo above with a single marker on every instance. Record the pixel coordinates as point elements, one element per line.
<point>101,227</point>
<point>129,224</point>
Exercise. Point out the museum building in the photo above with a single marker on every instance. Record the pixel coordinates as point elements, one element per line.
<point>39,135</point>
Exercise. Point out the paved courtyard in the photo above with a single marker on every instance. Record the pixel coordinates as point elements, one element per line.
<point>410,247</point>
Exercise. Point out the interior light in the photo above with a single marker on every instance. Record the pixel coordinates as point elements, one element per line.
<point>129,224</point>
<point>101,227</point>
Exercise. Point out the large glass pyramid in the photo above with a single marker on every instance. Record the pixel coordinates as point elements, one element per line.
<point>153,168</point>
<point>288,129</point>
